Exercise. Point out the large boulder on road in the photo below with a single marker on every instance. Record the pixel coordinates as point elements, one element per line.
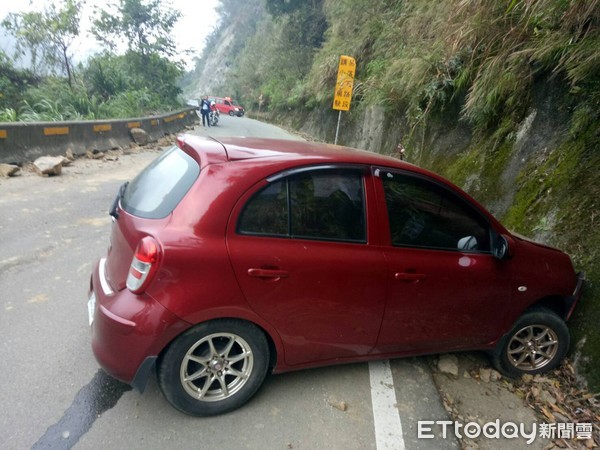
<point>48,165</point>
<point>139,136</point>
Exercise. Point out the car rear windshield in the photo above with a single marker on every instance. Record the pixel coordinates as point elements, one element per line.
<point>158,189</point>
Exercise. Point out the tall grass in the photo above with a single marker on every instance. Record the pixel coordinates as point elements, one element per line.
<point>420,56</point>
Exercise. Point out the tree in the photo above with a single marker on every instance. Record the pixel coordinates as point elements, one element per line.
<point>13,83</point>
<point>47,35</point>
<point>145,25</point>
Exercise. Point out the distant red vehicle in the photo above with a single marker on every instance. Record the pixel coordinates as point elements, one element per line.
<point>231,259</point>
<point>226,105</point>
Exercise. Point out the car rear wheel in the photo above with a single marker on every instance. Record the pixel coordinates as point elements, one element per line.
<point>537,343</point>
<point>214,367</point>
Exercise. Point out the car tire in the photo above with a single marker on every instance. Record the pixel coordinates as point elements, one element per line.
<point>537,343</point>
<point>214,367</point>
<point>231,113</point>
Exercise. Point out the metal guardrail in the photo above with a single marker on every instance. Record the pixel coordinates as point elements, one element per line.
<point>25,141</point>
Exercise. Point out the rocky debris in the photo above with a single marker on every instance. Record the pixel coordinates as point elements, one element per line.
<point>8,170</point>
<point>139,136</point>
<point>557,399</point>
<point>49,165</point>
<point>94,154</point>
<point>111,155</point>
<point>342,406</point>
<point>70,155</point>
<point>52,165</point>
<point>489,375</point>
<point>485,374</point>
<point>448,364</point>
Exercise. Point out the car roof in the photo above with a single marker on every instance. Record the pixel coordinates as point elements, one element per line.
<point>223,149</point>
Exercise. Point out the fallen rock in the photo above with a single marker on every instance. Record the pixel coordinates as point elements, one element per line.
<point>111,155</point>
<point>448,364</point>
<point>94,154</point>
<point>527,378</point>
<point>485,374</point>
<point>69,154</point>
<point>342,406</point>
<point>8,170</point>
<point>48,165</point>
<point>139,136</point>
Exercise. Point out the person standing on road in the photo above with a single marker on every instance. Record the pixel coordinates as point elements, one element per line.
<point>205,110</point>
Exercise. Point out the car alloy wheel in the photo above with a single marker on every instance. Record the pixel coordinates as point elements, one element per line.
<point>214,367</point>
<point>532,347</point>
<point>537,343</point>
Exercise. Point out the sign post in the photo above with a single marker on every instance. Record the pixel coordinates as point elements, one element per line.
<point>343,88</point>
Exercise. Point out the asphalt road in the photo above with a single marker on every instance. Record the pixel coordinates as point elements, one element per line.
<point>55,396</point>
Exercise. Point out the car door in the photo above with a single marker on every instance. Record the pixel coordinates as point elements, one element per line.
<point>299,248</point>
<point>446,291</point>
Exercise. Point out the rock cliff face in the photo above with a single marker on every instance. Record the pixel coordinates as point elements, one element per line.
<point>218,61</point>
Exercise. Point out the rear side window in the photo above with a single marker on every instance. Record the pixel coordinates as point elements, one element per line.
<point>159,188</point>
<point>320,204</point>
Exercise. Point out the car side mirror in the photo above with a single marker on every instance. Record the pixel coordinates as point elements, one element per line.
<point>501,248</point>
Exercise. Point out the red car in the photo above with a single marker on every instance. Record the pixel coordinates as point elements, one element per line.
<point>228,106</point>
<point>231,259</point>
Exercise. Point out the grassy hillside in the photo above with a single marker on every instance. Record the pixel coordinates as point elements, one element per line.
<point>501,97</point>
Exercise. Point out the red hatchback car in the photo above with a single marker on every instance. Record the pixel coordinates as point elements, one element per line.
<point>229,259</point>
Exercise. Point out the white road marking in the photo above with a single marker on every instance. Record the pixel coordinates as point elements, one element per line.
<point>388,427</point>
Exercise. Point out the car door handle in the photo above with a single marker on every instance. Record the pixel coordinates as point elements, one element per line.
<point>409,276</point>
<point>274,274</point>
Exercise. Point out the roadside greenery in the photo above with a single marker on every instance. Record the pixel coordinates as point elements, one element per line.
<point>420,57</point>
<point>142,80</point>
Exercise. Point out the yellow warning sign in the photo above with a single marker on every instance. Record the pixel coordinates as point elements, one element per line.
<point>344,83</point>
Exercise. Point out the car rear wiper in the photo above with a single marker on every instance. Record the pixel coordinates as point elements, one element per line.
<point>113,209</point>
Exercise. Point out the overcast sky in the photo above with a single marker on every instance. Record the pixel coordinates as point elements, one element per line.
<point>197,21</point>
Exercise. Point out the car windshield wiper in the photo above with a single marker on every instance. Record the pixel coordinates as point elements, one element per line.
<point>113,209</point>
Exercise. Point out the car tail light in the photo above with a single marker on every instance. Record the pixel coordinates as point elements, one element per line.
<point>143,265</point>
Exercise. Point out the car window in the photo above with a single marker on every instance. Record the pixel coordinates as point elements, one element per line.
<point>423,214</point>
<point>159,188</point>
<point>267,212</point>
<point>322,204</point>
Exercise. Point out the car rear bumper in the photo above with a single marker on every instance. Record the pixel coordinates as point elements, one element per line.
<point>571,301</point>
<point>128,331</point>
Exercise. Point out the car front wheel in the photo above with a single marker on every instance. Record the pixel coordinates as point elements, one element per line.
<point>537,343</point>
<point>214,367</point>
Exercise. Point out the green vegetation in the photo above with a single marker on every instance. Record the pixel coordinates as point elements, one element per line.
<point>141,81</point>
<point>417,57</point>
